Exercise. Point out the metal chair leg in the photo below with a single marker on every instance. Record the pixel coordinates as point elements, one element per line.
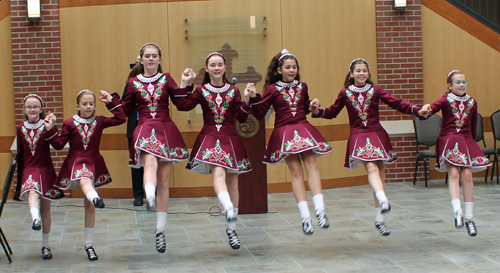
<point>5,245</point>
<point>425,172</point>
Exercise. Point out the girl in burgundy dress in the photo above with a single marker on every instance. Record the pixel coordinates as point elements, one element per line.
<point>84,166</point>
<point>156,140</point>
<point>37,174</point>
<point>456,150</point>
<point>294,140</point>
<point>368,142</point>
<point>218,148</point>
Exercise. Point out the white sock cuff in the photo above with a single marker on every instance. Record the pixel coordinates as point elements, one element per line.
<point>455,204</point>
<point>150,190</point>
<point>469,206</point>
<point>161,220</point>
<point>35,214</point>
<point>225,199</point>
<point>236,211</point>
<point>319,203</point>
<point>381,196</point>
<point>378,215</point>
<point>45,240</point>
<point>89,236</point>
<point>91,195</point>
<point>304,209</point>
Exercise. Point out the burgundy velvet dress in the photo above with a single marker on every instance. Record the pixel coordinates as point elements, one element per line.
<point>84,159</point>
<point>368,140</point>
<point>155,133</point>
<point>35,162</point>
<point>456,142</point>
<point>292,133</point>
<point>218,142</point>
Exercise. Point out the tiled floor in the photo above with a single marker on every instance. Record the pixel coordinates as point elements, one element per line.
<point>423,237</point>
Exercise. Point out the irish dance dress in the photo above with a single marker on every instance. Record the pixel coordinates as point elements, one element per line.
<point>456,142</point>
<point>84,159</point>
<point>155,133</point>
<point>218,142</point>
<point>368,140</point>
<point>292,133</point>
<point>35,163</point>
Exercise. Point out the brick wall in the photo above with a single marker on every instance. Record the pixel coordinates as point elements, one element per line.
<point>399,57</point>
<point>36,54</point>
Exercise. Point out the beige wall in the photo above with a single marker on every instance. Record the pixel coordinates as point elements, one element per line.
<point>447,47</point>
<point>7,111</point>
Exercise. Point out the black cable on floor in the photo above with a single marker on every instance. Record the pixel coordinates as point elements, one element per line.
<point>213,211</point>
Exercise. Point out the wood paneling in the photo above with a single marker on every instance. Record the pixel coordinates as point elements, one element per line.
<point>4,9</point>
<point>446,47</point>
<point>326,36</point>
<point>6,143</point>
<point>99,42</point>
<point>209,191</point>
<point>85,3</point>
<point>464,22</point>
<point>7,110</point>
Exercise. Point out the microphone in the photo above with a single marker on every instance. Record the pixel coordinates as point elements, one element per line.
<point>234,81</point>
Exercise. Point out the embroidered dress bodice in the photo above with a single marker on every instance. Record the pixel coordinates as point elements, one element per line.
<point>85,127</point>
<point>291,93</point>
<point>360,102</point>
<point>461,107</point>
<point>220,105</point>
<point>32,132</point>
<point>151,94</point>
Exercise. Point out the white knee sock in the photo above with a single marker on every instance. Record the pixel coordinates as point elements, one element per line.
<point>455,204</point>
<point>45,240</point>
<point>381,196</point>
<point>319,203</point>
<point>161,220</point>
<point>231,225</point>
<point>378,215</point>
<point>150,190</point>
<point>91,195</point>
<point>35,214</point>
<point>225,200</point>
<point>89,236</point>
<point>468,210</point>
<point>304,209</point>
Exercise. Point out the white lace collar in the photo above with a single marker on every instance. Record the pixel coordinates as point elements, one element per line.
<point>217,90</point>
<point>33,126</point>
<point>143,79</point>
<point>452,96</point>
<point>84,120</point>
<point>287,84</point>
<point>365,88</point>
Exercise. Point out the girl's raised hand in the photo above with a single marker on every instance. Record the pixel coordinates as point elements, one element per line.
<point>105,96</point>
<point>49,121</point>
<point>314,106</point>
<point>250,90</point>
<point>188,76</point>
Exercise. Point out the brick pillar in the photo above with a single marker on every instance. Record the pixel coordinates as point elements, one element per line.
<point>36,55</point>
<point>399,57</point>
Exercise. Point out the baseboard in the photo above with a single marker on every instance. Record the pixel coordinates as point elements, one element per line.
<point>209,191</point>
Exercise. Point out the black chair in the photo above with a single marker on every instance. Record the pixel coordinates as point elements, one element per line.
<point>6,188</point>
<point>426,133</point>
<point>488,151</point>
<point>495,122</point>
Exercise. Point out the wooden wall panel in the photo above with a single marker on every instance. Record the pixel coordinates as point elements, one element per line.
<point>178,11</point>
<point>99,42</point>
<point>7,111</point>
<point>447,47</point>
<point>325,38</point>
